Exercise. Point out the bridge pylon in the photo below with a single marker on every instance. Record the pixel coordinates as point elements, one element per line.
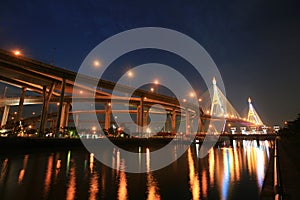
<point>217,107</point>
<point>253,115</point>
<point>220,105</point>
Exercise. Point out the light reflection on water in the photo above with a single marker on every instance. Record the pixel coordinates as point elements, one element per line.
<point>122,191</point>
<point>151,181</point>
<point>226,173</point>
<point>71,191</point>
<point>193,175</point>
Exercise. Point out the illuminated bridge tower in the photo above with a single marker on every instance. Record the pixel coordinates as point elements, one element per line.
<point>253,116</point>
<point>217,108</point>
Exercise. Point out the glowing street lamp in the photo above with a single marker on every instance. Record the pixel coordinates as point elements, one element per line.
<point>152,89</point>
<point>156,82</point>
<point>97,63</point>
<point>17,52</point>
<point>192,94</point>
<point>130,74</point>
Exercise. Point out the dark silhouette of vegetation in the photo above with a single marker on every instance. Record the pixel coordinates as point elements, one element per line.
<point>291,127</point>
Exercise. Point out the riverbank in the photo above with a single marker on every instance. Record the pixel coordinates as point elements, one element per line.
<point>289,149</point>
<point>156,142</point>
<point>289,166</point>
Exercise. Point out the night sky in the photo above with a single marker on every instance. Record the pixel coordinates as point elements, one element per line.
<point>254,43</point>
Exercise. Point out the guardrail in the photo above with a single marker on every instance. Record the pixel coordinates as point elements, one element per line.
<point>277,174</point>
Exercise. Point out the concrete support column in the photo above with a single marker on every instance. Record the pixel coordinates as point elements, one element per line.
<point>44,112</point>
<point>187,122</point>
<point>107,108</point>
<point>67,111</point>
<point>140,116</point>
<point>61,101</point>
<point>138,113</point>
<point>46,99</point>
<point>145,116</point>
<point>64,119</point>
<point>199,124</point>
<point>5,115</point>
<point>173,121</point>
<point>20,108</point>
<point>76,120</point>
<point>63,116</point>
<point>167,123</point>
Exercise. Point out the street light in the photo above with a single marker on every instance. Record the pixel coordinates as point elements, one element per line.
<point>17,52</point>
<point>152,89</point>
<point>192,94</point>
<point>130,74</point>
<point>97,63</point>
<point>156,82</point>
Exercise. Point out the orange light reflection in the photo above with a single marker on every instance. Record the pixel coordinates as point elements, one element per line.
<point>194,180</point>
<point>71,191</point>
<point>122,191</point>
<point>48,176</point>
<point>94,187</point>
<point>151,182</point>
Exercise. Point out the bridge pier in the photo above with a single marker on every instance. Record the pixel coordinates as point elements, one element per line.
<point>199,124</point>
<point>140,116</point>
<point>173,121</point>
<point>145,116</point>
<point>138,111</point>
<point>61,101</point>
<point>167,123</point>
<point>5,115</point>
<point>243,130</point>
<point>46,98</point>
<point>76,120</point>
<point>62,117</point>
<point>67,113</point>
<point>187,122</point>
<point>107,108</point>
<point>64,121</point>
<point>20,107</point>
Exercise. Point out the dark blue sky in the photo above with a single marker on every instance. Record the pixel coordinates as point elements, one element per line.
<point>254,43</point>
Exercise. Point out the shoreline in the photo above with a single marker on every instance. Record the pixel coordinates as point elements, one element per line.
<point>36,142</point>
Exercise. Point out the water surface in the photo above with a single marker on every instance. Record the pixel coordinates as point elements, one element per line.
<point>226,173</point>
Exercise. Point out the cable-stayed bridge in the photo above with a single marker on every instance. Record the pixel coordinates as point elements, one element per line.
<point>51,88</point>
